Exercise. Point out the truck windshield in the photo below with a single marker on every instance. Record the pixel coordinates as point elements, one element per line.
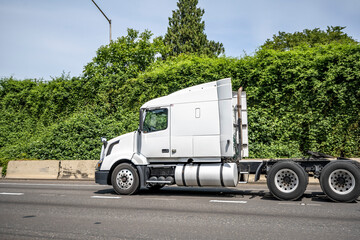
<point>155,120</point>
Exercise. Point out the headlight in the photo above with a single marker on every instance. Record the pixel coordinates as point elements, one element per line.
<point>102,154</point>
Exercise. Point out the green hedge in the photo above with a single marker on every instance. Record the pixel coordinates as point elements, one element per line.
<point>298,100</point>
<point>310,98</point>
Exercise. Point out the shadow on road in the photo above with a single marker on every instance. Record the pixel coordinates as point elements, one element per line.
<point>218,193</point>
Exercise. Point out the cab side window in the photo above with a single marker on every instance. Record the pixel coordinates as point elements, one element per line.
<point>155,120</point>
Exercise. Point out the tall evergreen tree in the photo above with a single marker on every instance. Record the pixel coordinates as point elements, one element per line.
<point>185,33</point>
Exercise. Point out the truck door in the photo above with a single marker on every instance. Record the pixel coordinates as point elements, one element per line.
<point>156,134</point>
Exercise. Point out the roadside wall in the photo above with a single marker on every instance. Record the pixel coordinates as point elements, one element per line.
<point>52,169</point>
<point>77,169</point>
<point>46,169</point>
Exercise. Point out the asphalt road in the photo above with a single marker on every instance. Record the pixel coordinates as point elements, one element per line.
<point>83,210</point>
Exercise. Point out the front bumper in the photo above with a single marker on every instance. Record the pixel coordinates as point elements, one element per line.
<point>101,177</point>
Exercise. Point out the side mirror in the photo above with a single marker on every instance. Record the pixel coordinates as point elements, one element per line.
<point>104,141</point>
<point>141,120</point>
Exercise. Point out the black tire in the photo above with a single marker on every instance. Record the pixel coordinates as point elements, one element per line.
<point>340,181</point>
<point>125,179</point>
<point>287,180</point>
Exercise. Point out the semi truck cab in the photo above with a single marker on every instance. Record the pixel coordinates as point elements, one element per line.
<point>198,136</point>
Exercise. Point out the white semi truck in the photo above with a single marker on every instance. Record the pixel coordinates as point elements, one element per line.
<point>198,137</point>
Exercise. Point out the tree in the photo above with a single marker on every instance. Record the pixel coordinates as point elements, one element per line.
<point>185,33</point>
<point>113,64</point>
<point>286,41</point>
<point>128,55</point>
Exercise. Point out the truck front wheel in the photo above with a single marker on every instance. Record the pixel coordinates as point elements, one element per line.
<point>125,179</point>
<point>340,181</point>
<point>287,180</point>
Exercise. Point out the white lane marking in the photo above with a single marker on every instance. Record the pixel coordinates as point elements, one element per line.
<point>226,201</point>
<point>161,199</point>
<point>105,197</point>
<point>13,194</point>
<point>293,204</point>
<point>51,184</point>
<point>48,194</point>
<point>300,204</point>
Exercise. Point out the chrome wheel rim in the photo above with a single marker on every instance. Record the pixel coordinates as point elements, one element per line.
<point>341,181</point>
<point>286,180</point>
<point>125,178</point>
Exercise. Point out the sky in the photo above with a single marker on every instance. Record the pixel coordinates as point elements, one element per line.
<point>43,39</point>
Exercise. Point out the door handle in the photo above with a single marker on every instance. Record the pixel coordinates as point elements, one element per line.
<point>165,150</point>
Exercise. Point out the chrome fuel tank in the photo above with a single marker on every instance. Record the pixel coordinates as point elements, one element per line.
<point>215,175</point>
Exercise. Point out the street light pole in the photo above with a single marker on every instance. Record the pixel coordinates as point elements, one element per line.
<point>109,20</point>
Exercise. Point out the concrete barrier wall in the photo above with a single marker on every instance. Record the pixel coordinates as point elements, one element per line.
<point>52,169</point>
<point>77,169</point>
<point>46,169</point>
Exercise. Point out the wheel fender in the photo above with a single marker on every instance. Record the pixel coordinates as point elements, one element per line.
<point>113,160</point>
<point>141,170</point>
<point>258,171</point>
<point>139,159</point>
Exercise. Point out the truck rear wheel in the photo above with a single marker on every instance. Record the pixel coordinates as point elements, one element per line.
<point>125,179</point>
<point>287,180</point>
<point>340,181</point>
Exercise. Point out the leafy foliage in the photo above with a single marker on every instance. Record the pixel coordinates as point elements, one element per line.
<point>185,33</point>
<point>286,41</point>
<point>305,98</point>
<point>128,56</point>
